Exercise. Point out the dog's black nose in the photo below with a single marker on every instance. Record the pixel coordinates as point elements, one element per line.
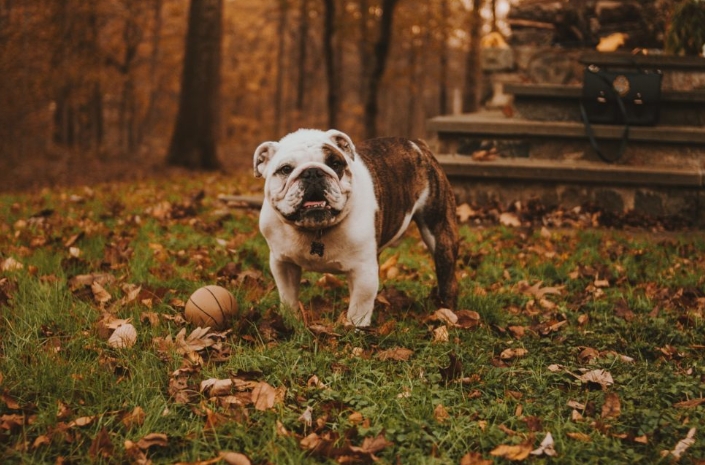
<point>312,173</point>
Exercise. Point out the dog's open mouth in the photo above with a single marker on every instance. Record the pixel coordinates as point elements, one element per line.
<point>315,202</point>
<point>316,205</point>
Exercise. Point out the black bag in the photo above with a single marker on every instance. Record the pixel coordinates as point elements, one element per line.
<point>609,97</point>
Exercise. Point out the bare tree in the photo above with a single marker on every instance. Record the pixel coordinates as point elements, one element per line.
<point>303,52</point>
<point>473,65</point>
<point>381,52</point>
<point>333,99</point>
<point>194,141</point>
<point>443,60</point>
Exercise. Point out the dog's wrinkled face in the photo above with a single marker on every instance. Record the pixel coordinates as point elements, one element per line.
<point>308,176</point>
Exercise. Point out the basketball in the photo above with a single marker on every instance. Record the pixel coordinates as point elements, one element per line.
<point>211,306</point>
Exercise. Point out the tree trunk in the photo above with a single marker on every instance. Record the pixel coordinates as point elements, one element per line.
<point>148,123</point>
<point>381,52</point>
<point>473,65</point>
<point>364,49</point>
<point>194,141</point>
<point>329,52</point>
<point>281,63</point>
<point>443,61</point>
<point>303,49</point>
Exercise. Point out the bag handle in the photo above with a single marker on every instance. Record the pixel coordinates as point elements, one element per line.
<point>591,133</point>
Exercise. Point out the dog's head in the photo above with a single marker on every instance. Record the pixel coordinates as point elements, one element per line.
<point>308,179</point>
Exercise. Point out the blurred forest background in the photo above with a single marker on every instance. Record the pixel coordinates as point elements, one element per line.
<point>91,89</point>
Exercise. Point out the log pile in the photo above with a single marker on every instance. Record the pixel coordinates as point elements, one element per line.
<point>582,23</point>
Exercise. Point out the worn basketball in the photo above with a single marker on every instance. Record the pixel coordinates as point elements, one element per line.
<point>211,306</point>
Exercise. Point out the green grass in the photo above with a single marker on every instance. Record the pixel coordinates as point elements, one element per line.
<point>56,367</point>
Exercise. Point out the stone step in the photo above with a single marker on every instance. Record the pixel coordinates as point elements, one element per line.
<point>493,124</point>
<point>516,137</point>
<point>553,102</point>
<point>570,171</point>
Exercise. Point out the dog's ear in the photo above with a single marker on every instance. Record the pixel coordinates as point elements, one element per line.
<point>263,155</point>
<point>343,142</point>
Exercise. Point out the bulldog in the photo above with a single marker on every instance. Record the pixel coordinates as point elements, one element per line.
<point>331,206</point>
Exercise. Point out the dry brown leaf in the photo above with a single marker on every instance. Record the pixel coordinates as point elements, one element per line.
<point>464,212</point>
<point>372,445</point>
<point>10,264</point>
<point>508,354</point>
<point>132,291</point>
<point>509,219</point>
<point>264,396</point>
<point>234,458</point>
<point>329,281</point>
<point>440,334</point>
<point>517,331</point>
<point>388,263</point>
<point>692,403</point>
<point>601,377</point>
<point>440,413</point>
<point>467,319</point>
<point>612,407</point>
<point>445,315</point>
<point>213,387</point>
<point>399,354</point>
<point>101,446</point>
<point>100,295</point>
<point>579,437</point>
<point>514,453</point>
<point>134,418</point>
<point>152,440</point>
<point>474,458</point>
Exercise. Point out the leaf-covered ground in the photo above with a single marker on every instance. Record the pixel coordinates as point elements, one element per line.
<point>572,343</point>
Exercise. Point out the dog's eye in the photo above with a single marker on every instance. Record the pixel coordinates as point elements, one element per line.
<point>285,170</point>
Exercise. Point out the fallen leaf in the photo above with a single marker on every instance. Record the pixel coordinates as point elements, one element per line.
<point>579,437</point>
<point>102,445</point>
<point>329,281</point>
<point>464,212</point>
<point>467,319</point>
<point>10,264</point>
<point>100,295</point>
<point>152,440</point>
<point>514,453</point>
<point>508,354</point>
<point>440,334</point>
<point>445,315</point>
<point>234,458</point>
<point>612,407</point>
<point>509,219</point>
<point>399,354</point>
<point>684,444</point>
<point>264,396</point>
<point>372,445</point>
<point>440,413</point>
<point>517,331</point>
<point>692,403</point>
<point>134,418</point>
<point>474,458</point>
<point>213,387</point>
<point>307,417</point>
<point>546,447</point>
<point>601,377</point>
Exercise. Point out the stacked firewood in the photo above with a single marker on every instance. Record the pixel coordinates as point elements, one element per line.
<point>583,23</point>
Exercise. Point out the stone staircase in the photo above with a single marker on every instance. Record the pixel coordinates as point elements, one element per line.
<point>542,151</point>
